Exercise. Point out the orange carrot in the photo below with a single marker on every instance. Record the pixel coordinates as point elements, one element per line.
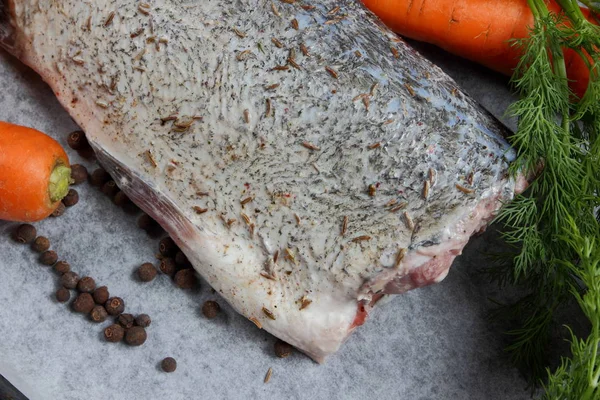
<point>34,173</point>
<point>479,30</point>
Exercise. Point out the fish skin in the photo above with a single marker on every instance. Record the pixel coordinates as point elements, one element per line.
<point>284,166</point>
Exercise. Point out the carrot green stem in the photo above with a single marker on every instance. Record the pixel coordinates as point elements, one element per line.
<point>572,9</point>
<point>534,6</point>
<point>593,5</point>
<point>60,178</point>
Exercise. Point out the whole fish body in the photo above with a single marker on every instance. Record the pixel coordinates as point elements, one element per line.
<point>305,159</point>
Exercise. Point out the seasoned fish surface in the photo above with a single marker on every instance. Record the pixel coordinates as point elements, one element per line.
<point>307,161</point>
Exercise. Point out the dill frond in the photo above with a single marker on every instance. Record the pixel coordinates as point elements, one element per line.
<point>554,225</point>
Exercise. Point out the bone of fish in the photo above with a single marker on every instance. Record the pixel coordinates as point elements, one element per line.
<point>304,158</point>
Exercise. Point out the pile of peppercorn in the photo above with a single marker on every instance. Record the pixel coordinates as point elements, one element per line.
<point>89,299</point>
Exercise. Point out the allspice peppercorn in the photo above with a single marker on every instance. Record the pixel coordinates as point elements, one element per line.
<point>146,272</point>
<point>120,199</point>
<point>167,247</point>
<point>71,198</point>
<point>49,257</point>
<point>114,333</point>
<point>145,222</point>
<point>114,306</point>
<point>99,177</point>
<point>167,266</point>
<point>135,336</point>
<point>84,303</point>
<point>63,295</point>
<point>168,364</point>
<point>182,261</point>
<point>87,153</point>
<point>129,206</point>
<point>98,314</point>
<point>69,280</point>
<point>79,174</point>
<point>210,309</point>
<point>60,210</point>
<point>148,224</point>
<point>77,140</point>
<point>40,244</point>
<point>25,233</point>
<point>62,267</point>
<point>143,320</point>
<point>86,284</point>
<point>125,320</point>
<point>186,278</point>
<point>110,188</point>
<point>101,295</point>
<point>283,349</point>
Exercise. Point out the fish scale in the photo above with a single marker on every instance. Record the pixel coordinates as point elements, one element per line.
<point>304,158</point>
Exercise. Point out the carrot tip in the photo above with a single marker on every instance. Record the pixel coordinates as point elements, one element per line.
<point>58,186</point>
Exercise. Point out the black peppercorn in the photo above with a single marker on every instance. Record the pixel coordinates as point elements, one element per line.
<point>114,333</point>
<point>186,278</point>
<point>84,303</point>
<point>69,280</point>
<point>210,309</point>
<point>125,320</point>
<point>62,267</point>
<point>146,272</point>
<point>143,320</point>
<point>98,314</point>
<point>71,198</point>
<point>60,210</point>
<point>110,188</point>
<point>40,244</point>
<point>86,284</point>
<point>63,295</point>
<point>167,266</point>
<point>77,140</point>
<point>79,174</point>
<point>182,261</point>
<point>114,306</point>
<point>168,364</point>
<point>167,247</point>
<point>135,336</point>
<point>101,295</point>
<point>99,177</point>
<point>283,349</point>
<point>49,257</point>
<point>25,233</point>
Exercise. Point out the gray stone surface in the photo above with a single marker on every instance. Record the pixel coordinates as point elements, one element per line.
<point>432,343</point>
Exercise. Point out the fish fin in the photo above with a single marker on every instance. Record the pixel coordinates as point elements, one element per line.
<point>7,39</point>
<point>148,198</point>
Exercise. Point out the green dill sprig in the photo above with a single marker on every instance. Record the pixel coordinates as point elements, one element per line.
<point>578,377</point>
<point>558,148</point>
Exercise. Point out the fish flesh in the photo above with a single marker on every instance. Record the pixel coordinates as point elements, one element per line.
<point>306,160</point>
